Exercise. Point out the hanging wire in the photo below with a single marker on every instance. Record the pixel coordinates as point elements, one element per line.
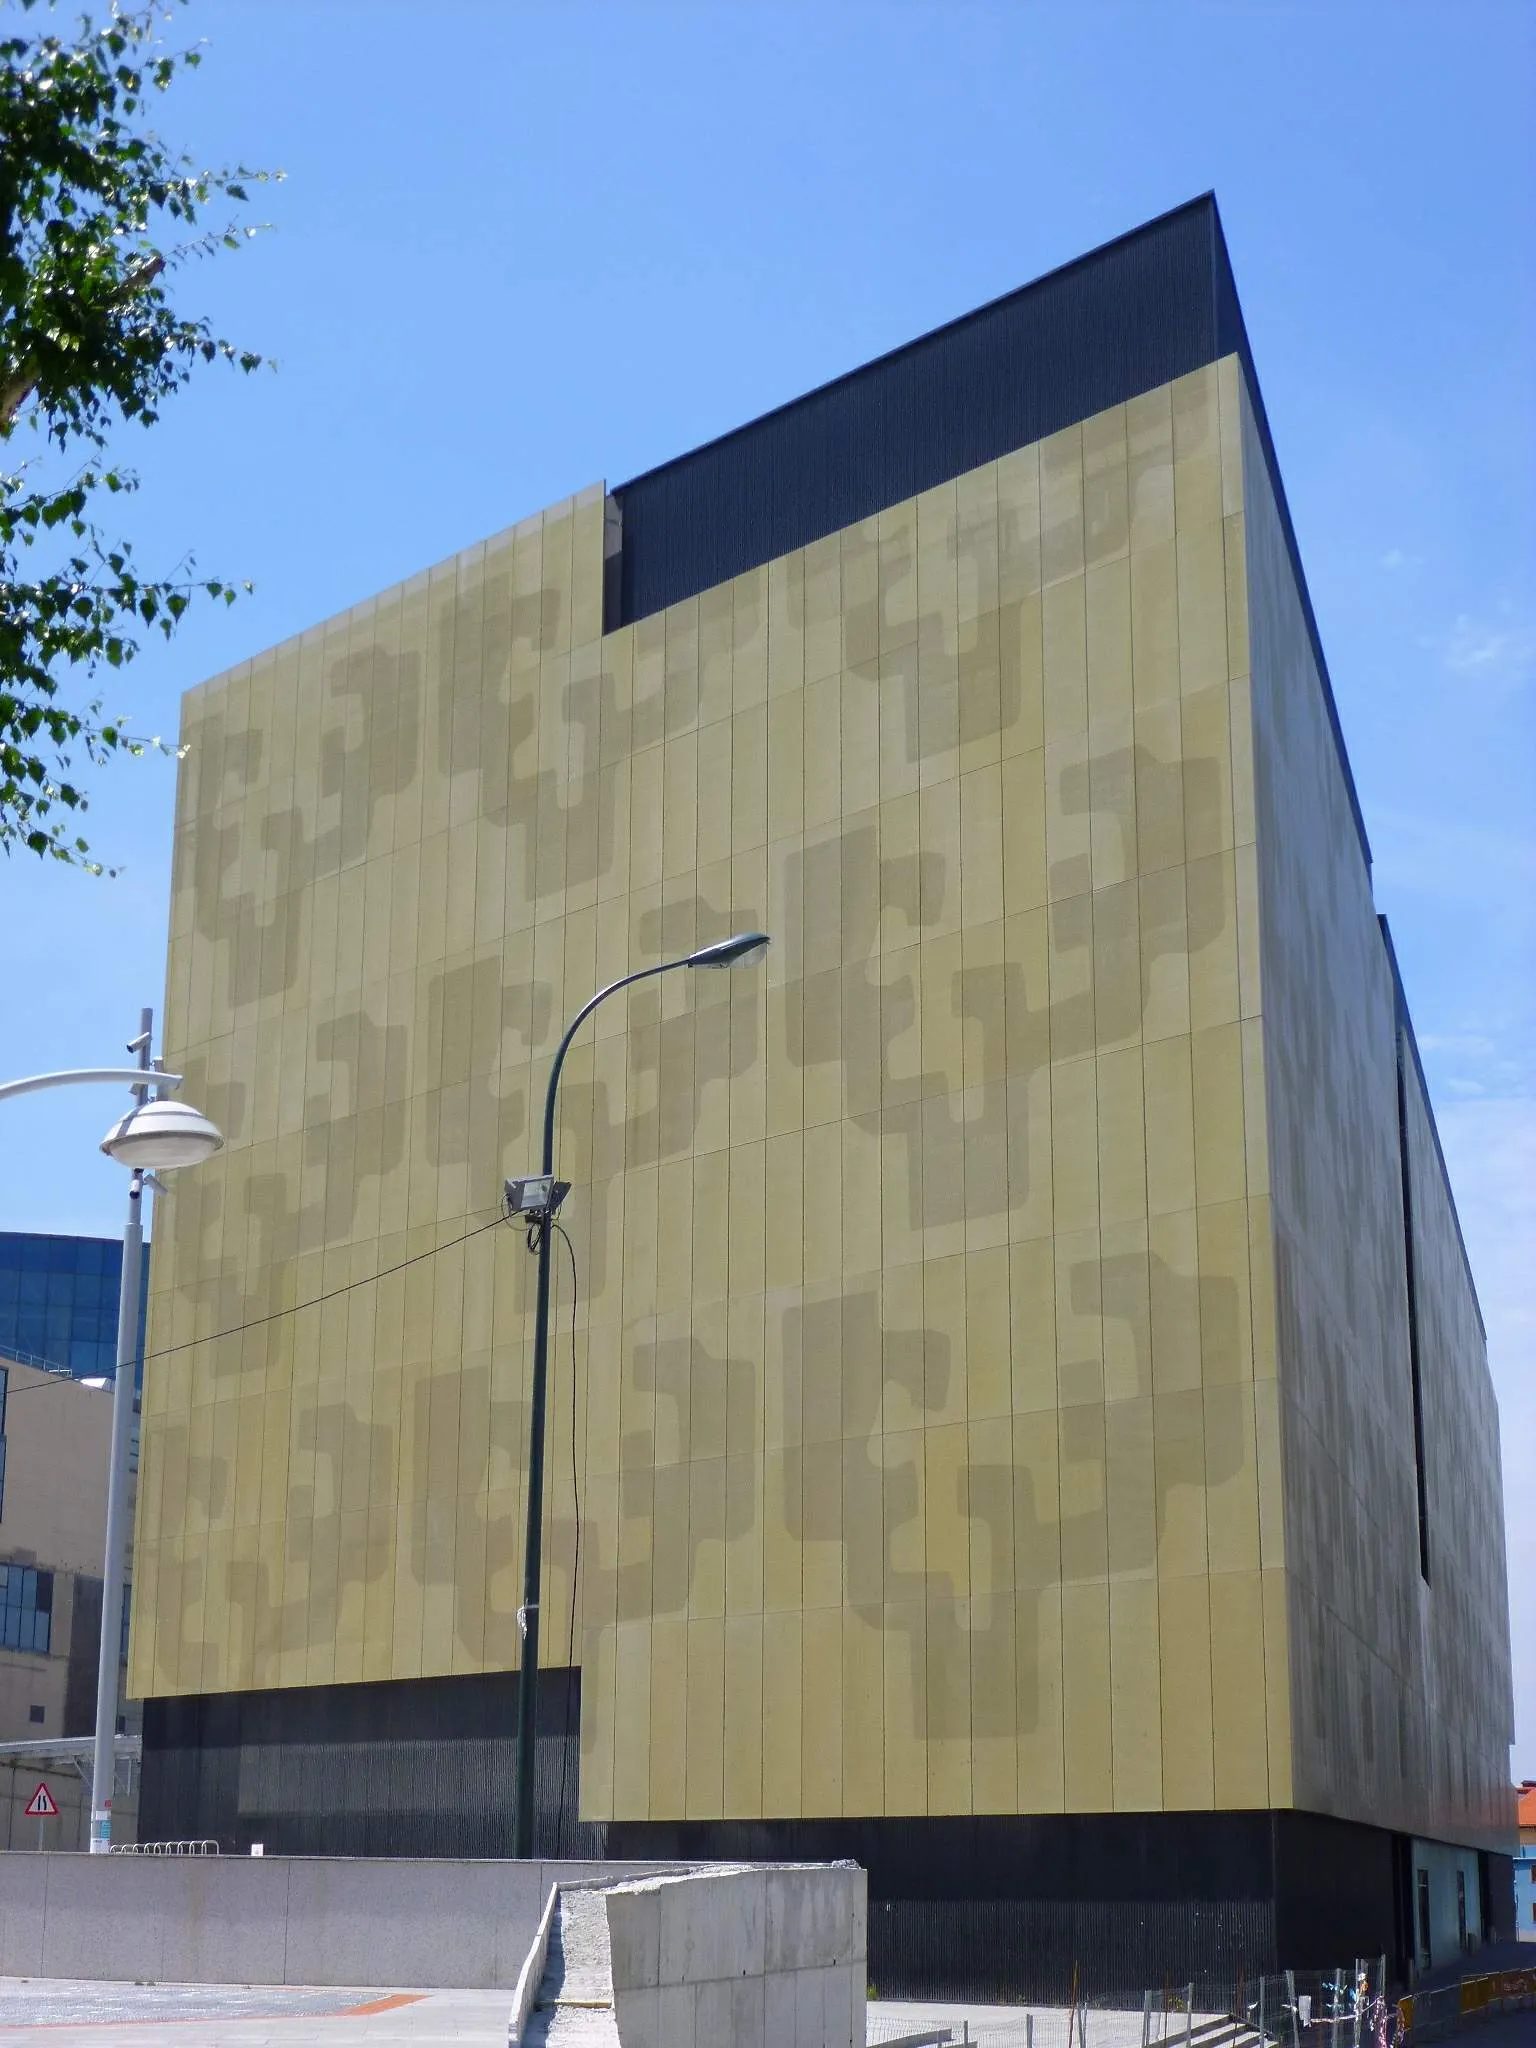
<point>298,1308</point>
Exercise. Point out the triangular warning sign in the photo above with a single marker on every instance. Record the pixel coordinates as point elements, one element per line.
<point>40,1806</point>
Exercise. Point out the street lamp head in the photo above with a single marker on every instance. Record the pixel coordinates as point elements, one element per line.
<point>745,950</point>
<point>162,1134</point>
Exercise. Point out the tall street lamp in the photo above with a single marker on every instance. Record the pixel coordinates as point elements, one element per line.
<point>537,1198</point>
<point>155,1135</point>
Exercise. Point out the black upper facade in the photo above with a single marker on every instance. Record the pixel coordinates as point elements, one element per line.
<point>1142,310</point>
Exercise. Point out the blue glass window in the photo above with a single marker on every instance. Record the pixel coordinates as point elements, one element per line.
<point>58,1300</point>
<point>26,1609</point>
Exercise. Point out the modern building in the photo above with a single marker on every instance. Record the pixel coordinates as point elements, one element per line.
<point>1525,1864</point>
<point>58,1301</point>
<point>55,1440</point>
<point>1024,1419</point>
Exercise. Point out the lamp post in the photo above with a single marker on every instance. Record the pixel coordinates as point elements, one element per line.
<point>154,1135</point>
<point>538,1199</point>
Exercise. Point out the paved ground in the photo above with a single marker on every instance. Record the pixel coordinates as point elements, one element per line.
<point>230,2016</point>
<point>87,2015</point>
<point>1002,2026</point>
<point>93,2015</point>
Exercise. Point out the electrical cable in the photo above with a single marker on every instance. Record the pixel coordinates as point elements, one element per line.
<point>298,1307</point>
<point>570,1658</point>
<point>259,1322</point>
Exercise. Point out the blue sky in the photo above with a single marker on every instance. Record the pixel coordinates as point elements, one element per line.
<point>523,247</point>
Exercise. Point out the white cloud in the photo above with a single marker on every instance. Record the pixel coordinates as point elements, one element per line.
<point>1494,1060</point>
<point>1498,651</point>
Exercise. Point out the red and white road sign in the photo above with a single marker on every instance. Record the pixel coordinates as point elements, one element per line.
<point>40,1806</point>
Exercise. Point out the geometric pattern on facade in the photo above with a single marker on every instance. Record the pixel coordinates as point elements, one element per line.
<point>928,1426</point>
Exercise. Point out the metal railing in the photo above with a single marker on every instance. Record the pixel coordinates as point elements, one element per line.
<point>205,1847</point>
<point>1339,2008</point>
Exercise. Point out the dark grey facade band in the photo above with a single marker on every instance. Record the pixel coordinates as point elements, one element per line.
<point>1152,305</point>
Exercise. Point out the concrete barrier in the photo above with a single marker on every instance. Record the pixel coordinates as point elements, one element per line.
<point>766,1956</point>
<point>278,1919</point>
<point>531,1976</point>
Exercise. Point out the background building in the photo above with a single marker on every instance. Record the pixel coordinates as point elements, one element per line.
<point>1024,1419</point>
<point>58,1301</point>
<point>55,1439</point>
<point>1525,1865</point>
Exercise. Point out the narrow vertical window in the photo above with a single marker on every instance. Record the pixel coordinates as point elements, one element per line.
<point>1410,1268</point>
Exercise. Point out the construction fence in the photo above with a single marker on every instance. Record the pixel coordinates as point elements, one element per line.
<point>1457,2008</point>
<point>1340,2008</point>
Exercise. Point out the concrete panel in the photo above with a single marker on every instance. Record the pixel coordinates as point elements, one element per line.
<point>815,1918</point>
<point>519,1906</point>
<point>703,1933</point>
<point>744,2011</point>
<point>276,1919</point>
<point>225,1919</point>
<point>637,2014</point>
<point>842,2006</point>
<point>712,1926</point>
<point>106,1915</point>
<point>23,1911</point>
<point>531,1974</point>
<point>810,2031</point>
<point>435,1923</point>
<point>634,1937</point>
<point>780,2006</point>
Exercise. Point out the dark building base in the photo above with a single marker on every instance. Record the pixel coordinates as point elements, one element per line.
<point>404,1767</point>
<point>987,1907</point>
<point>1022,1906</point>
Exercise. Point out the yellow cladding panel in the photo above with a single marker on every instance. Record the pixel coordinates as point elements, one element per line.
<point>919,1399</point>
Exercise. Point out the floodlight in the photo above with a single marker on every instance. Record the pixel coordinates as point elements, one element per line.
<point>537,1194</point>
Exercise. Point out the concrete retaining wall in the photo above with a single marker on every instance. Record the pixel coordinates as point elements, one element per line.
<point>277,1919</point>
<point>761,1958</point>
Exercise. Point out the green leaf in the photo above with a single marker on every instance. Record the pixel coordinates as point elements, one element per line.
<point>97,215</point>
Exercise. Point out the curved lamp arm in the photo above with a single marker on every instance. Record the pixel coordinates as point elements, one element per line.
<point>581,1016</point>
<point>732,952</point>
<point>130,1077</point>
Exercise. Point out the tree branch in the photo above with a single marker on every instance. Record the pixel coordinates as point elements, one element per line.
<point>15,394</point>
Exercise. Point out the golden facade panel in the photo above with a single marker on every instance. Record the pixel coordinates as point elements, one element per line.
<point>974,763</point>
<point>980,1384</point>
